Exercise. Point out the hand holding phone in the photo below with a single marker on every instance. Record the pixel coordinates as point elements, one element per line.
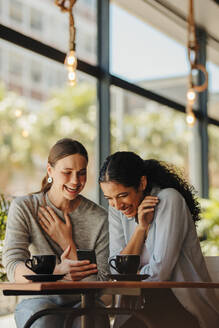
<point>86,254</point>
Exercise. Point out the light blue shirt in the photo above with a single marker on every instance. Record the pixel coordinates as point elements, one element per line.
<point>171,252</point>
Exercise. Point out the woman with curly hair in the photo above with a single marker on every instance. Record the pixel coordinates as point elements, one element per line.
<point>152,212</point>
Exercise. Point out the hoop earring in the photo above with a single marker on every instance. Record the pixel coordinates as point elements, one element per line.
<point>49,180</point>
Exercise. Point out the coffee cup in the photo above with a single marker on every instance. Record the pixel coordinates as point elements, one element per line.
<point>41,264</point>
<point>126,263</point>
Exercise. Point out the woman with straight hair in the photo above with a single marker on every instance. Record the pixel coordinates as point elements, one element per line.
<point>57,220</point>
<point>152,213</point>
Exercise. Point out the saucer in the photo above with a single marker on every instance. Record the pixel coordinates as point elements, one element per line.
<point>129,277</point>
<point>43,277</point>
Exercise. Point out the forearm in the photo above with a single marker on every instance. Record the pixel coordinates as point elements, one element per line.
<point>73,253</point>
<point>136,242</point>
<point>21,270</point>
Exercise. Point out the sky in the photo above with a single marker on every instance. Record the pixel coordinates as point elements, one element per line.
<point>139,52</point>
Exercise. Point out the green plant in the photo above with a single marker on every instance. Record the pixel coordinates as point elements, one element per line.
<point>208,227</point>
<point>4,206</point>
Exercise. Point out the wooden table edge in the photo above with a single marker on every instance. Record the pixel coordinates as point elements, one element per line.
<point>63,285</point>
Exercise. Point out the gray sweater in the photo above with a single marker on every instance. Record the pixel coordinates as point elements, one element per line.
<point>25,237</point>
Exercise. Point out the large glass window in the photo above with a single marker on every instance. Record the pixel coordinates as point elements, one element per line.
<point>36,110</point>
<point>44,21</point>
<point>147,128</point>
<point>213,132</point>
<point>146,56</point>
<point>213,94</point>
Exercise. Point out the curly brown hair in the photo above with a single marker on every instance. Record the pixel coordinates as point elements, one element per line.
<point>127,168</point>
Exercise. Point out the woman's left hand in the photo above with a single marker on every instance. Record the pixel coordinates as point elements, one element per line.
<point>146,211</point>
<point>59,231</point>
<point>74,270</point>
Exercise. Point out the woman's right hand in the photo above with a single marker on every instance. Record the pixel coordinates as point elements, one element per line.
<point>146,211</point>
<point>74,269</point>
<point>59,231</point>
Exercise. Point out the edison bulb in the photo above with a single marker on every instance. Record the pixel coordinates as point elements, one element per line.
<point>72,78</point>
<point>190,119</point>
<point>191,96</point>
<point>71,60</point>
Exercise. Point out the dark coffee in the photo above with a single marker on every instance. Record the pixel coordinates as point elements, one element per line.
<point>41,264</point>
<point>126,264</point>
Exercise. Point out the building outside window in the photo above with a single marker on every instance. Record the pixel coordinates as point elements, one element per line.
<point>36,19</point>
<point>16,11</point>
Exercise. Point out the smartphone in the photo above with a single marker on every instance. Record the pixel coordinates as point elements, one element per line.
<point>87,254</point>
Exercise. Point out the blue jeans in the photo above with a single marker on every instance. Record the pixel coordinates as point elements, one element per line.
<point>27,307</point>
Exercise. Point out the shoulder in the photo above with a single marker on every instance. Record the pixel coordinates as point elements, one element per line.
<point>171,195</point>
<point>90,206</point>
<point>117,216</point>
<point>29,201</point>
<point>20,201</point>
<point>171,201</point>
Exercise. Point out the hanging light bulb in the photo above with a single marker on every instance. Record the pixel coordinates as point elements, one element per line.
<point>191,96</point>
<point>72,78</point>
<point>190,118</point>
<point>71,60</point>
<point>71,64</point>
<point>194,66</point>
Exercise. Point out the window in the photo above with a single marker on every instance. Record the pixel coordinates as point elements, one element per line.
<point>213,95</point>
<point>36,19</point>
<point>136,49</point>
<point>35,72</point>
<point>213,132</point>
<point>44,21</point>
<point>15,65</point>
<point>147,128</point>
<point>33,119</point>
<point>15,11</point>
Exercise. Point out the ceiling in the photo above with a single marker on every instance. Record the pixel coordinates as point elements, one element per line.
<point>170,17</point>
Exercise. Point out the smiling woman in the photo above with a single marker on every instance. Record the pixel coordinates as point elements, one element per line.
<point>57,220</point>
<point>152,213</point>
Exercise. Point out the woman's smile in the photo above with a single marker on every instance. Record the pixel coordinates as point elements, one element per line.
<point>69,178</point>
<point>72,190</point>
<point>124,199</point>
<point>127,210</point>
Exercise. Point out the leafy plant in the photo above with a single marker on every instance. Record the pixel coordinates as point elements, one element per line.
<point>4,206</point>
<point>208,227</point>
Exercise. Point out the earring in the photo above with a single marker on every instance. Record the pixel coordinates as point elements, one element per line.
<point>49,179</point>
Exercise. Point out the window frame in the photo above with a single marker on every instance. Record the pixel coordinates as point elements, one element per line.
<point>105,79</point>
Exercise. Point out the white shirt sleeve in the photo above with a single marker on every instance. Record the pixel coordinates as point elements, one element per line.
<point>166,236</point>
<point>116,232</point>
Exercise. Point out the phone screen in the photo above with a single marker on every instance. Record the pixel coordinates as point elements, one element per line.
<point>86,254</point>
